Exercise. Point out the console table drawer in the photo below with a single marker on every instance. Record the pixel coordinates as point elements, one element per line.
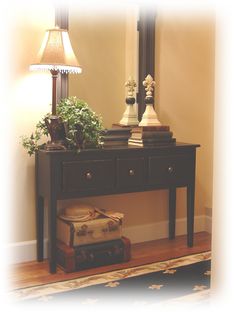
<point>176,169</point>
<point>130,172</point>
<point>80,175</point>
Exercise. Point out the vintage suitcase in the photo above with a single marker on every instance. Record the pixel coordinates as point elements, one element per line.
<point>89,232</point>
<point>72,259</point>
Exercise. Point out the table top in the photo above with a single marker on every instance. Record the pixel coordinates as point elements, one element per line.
<point>177,145</point>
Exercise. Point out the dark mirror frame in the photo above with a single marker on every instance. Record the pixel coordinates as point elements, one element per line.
<point>146,28</point>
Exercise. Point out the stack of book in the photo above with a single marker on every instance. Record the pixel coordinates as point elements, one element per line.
<point>151,135</point>
<point>91,240</point>
<point>115,136</point>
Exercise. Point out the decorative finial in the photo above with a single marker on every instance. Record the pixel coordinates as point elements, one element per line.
<point>149,117</point>
<point>149,84</point>
<point>131,85</point>
<point>130,116</point>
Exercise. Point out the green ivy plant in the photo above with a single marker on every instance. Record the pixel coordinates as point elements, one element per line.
<point>82,125</point>
<point>78,117</point>
<point>31,143</point>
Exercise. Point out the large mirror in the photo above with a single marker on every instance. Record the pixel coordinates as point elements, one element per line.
<point>110,45</point>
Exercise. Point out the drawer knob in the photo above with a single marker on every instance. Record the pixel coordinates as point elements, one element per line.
<point>89,175</point>
<point>131,172</point>
<point>170,169</point>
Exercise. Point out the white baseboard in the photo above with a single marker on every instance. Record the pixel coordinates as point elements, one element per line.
<point>158,230</point>
<point>26,251</point>
<point>23,251</point>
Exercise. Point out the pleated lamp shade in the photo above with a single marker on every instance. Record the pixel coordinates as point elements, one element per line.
<point>56,53</point>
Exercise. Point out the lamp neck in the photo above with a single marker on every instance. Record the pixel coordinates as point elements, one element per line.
<point>54,74</point>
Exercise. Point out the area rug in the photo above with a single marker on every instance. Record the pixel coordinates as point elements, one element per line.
<point>166,281</point>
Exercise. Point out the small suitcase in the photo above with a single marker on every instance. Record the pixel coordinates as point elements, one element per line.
<point>89,232</point>
<point>72,259</point>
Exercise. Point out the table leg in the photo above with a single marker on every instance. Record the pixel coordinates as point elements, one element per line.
<point>172,212</point>
<point>52,228</point>
<point>39,226</point>
<point>190,214</point>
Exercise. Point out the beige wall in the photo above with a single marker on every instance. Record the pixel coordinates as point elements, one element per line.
<point>99,43</point>
<point>106,47</point>
<point>183,98</point>
<point>184,74</point>
<point>29,97</point>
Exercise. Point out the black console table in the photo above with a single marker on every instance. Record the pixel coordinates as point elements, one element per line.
<point>103,171</point>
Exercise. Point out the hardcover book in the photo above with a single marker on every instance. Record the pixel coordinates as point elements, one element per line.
<point>150,128</point>
<point>115,131</point>
<point>152,135</point>
<point>150,142</point>
<point>115,137</point>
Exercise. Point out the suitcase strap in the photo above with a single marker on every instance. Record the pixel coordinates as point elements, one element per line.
<point>115,216</point>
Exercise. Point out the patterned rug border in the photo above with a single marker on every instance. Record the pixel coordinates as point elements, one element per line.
<point>81,282</point>
<point>112,270</point>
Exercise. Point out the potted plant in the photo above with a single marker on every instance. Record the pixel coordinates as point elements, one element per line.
<point>82,126</point>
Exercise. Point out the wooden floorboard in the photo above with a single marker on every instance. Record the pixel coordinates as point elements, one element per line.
<point>36,273</point>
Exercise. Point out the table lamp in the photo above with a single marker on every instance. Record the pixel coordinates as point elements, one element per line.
<point>56,55</point>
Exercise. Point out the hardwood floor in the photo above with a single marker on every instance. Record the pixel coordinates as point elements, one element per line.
<point>36,273</point>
